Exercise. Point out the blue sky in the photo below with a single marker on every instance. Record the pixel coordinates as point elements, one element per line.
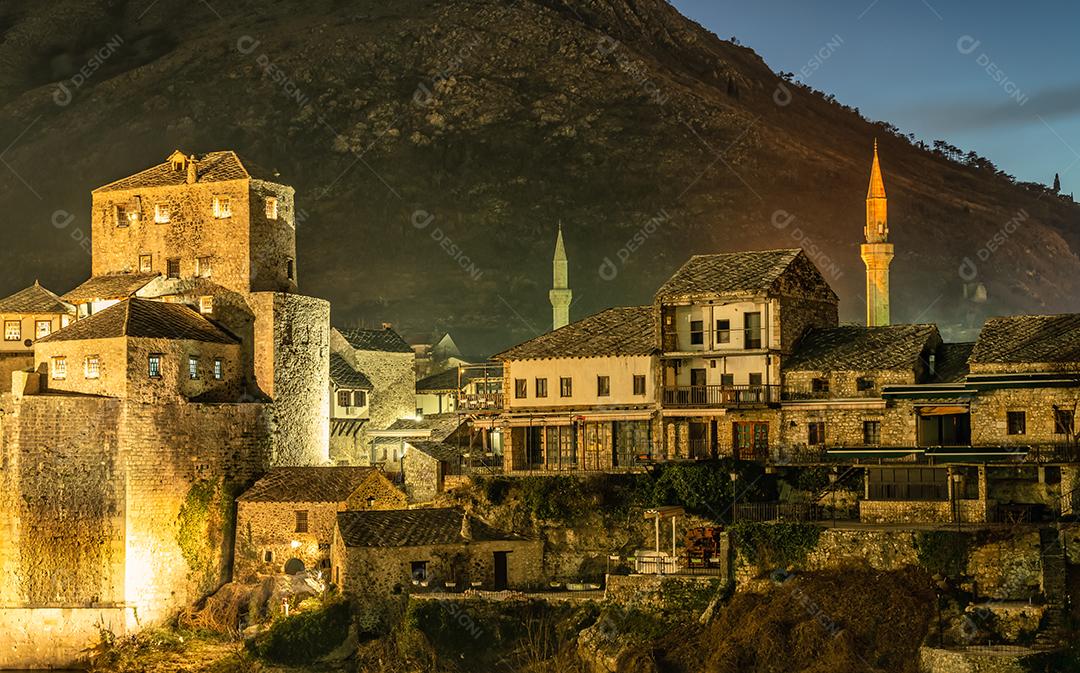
<point>1001,78</point>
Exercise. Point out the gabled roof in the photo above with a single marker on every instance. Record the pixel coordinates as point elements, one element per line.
<point>213,167</point>
<point>386,340</point>
<point>858,348</point>
<point>413,528</point>
<point>112,286</point>
<point>307,484</point>
<point>1029,339</point>
<point>951,364</point>
<point>147,319</point>
<point>343,375</point>
<point>34,299</point>
<point>449,381</point>
<point>746,274</point>
<point>433,427</point>
<point>616,331</point>
<point>437,450</point>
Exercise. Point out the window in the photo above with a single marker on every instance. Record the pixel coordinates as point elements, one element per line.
<point>59,368</point>
<point>566,387</point>
<point>815,433</point>
<point>92,367</point>
<point>755,379</point>
<point>871,432</point>
<point>153,368</point>
<point>864,383</point>
<point>219,366</point>
<point>301,521</point>
<point>12,330</point>
<point>271,208</point>
<point>172,267</point>
<point>222,207</point>
<point>42,328</point>
<point>344,398</point>
<point>697,332</point>
<point>418,569</point>
<point>206,304</point>
<point>161,213</point>
<point>752,325</point>
<point>268,556</point>
<point>290,269</point>
<point>639,384</point>
<point>120,216</point>
<point>204,267</point>
<point>193,367</point>
<point>146,263</point>
<point>727,380</point>
<point>723,331</point>
<point>820,385</point>
<point>1063,421</point>
<point>359,398</point>
<point>520,388</point>
<point>541,387</point>
<point>603,386</point>
<point>1016,422</point>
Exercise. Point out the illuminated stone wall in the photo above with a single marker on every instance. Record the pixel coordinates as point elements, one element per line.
<point>989,415</point>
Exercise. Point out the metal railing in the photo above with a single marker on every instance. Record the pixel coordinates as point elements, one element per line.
<point>481,402</point>
<point>793,511</point>
<point>720,396</point>
<point>800,393</point>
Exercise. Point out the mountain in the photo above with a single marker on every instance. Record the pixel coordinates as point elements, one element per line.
<point>434,146</point>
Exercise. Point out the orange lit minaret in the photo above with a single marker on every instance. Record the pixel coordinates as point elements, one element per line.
<point>877,252</point>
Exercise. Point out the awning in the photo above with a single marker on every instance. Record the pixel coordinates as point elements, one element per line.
<point>943,410</point>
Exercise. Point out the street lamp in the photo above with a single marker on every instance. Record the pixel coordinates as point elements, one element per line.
<point>734,495</point>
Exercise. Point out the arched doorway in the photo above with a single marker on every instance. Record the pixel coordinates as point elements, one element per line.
<point>294,566</point>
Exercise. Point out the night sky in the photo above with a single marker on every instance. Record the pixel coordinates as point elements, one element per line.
<point>1013,97</point>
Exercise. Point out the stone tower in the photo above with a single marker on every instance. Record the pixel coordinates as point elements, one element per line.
<point>877,252</point>
<point>560,294</point>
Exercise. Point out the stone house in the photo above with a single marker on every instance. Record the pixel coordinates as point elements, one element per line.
<point>420,549</point>
<point>389,445</point>
<point>143,350</point>
<point>582,397</point>
<point>28,315</point>
<point>100,292</point>
<point>350,399</point>
<point>464,387</point>
<point>387,362</point>
<point>430,468</point>
<point>285,521</point>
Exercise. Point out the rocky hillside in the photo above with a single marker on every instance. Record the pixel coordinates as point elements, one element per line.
<point>435,144</point>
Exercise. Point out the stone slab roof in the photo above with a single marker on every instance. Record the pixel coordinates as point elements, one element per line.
<point>34,299</point>
<point>413,528</point>
<point>737,273</point>
<point>343,375</point>
<point>438,450</point>
<point>448,380</point>
<point>858,348</point>
<point>951,364</point>
<point>440,425</point>
<point>386,340</point>
<point>213,167</point>
<point>147,319</point>
<point>307,484</point>
<point>616,331</point>
<point>1029,339</point>
<point>113,286</point>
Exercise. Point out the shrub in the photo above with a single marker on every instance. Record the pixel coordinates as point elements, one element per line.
<point>304,637</point>
<point>943,552</point>
<point>775,545</point>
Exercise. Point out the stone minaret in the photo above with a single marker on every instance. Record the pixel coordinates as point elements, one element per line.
<point>877,252</point>
<point>560,294</point>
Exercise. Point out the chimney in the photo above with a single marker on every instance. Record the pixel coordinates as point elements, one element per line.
<point>192,170</point>
<point>466,527</point>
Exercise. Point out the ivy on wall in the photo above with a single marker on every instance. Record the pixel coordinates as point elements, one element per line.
<point>205,529</point>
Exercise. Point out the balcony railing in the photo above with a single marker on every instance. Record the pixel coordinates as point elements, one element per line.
<point>482,402</point>
<point>801,393</point>
<point>720,397</point>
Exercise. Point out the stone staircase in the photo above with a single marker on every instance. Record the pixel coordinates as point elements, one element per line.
<point>1054,630</point>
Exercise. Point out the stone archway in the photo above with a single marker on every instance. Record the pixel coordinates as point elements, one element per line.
<point>294,566</point>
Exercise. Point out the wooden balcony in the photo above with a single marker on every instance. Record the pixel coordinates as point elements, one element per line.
<point>720,397</point>
<point>488,403</point>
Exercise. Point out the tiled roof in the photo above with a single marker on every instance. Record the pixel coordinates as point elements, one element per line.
<point>344,376</point>
<point>440,425</point>
<point>857,348</point>
<point>449,381</point>
<point>616,331</point>
<point>438,450</point>
<point>144,318</point>
<point>212,167</point>
<point>741,273</point>
<point>34,299</point>
<point>386,340</point>
<point>307,484</point>
<point>1022,339</point>
<point>951,364</point>
<point>413,528</point>
<point>113,286</point>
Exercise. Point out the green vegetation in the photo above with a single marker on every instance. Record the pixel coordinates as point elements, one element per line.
<point>206,522</point>
<point>775,545</point>
<point>943,552</point>
<point>304,637</point>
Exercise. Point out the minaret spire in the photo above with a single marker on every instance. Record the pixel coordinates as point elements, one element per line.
<point>560,294</point>
<point>877,252</point>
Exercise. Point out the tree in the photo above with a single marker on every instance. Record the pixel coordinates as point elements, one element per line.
<point>1057,183</point>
